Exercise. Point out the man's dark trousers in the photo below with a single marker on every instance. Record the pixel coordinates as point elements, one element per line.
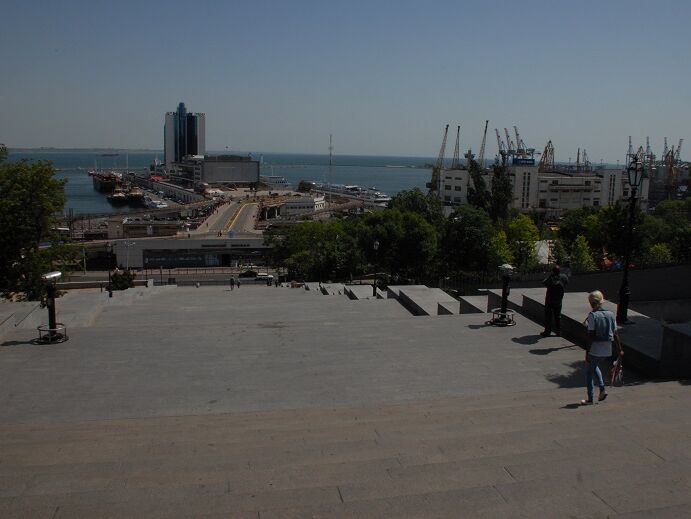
<point>552,312</point>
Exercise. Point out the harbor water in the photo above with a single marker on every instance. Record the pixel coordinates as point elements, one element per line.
<point>388,174</point>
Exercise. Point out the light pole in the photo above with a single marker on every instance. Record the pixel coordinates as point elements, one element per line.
<point>109,253</point>
<point>375,248</point>
<point>635,174</point>
<point>128,244</point>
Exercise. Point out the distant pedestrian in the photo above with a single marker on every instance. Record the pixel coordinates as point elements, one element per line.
<point>602,330</point>
<point>556,284</point>
<point>238,283</point>
<point>232,283</point>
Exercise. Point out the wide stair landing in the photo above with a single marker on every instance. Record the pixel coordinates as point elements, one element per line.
<point>531,454</point>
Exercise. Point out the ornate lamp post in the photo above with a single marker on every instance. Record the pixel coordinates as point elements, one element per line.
<point>635,174</point>
<point>109,252</point>
<point>375,248</point>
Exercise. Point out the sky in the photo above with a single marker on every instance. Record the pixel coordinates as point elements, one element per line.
<point>384,77</point>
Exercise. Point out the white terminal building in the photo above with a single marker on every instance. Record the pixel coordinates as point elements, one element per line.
<point>302,204</point>
<point>549,192</point>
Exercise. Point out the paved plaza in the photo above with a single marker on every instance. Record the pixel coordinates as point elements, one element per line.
<point>275,402</point>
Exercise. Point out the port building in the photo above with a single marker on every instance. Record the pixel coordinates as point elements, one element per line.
<point>217,169</point>
<point>548,192</point>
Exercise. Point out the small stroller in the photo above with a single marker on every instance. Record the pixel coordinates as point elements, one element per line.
<point>616,374</point>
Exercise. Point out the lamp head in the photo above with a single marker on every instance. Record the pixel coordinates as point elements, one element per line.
<point>635,173</point>
<point>506,269</point>
<point>52,277</point>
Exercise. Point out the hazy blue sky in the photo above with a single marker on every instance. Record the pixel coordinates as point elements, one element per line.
<point>383,76</point>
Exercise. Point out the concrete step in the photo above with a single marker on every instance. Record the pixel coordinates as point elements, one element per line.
<point>422,300</point>
<point>474,304</point>
<point>329,463</point>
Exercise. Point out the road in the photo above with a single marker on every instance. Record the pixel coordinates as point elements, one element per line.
<point>246,219</point>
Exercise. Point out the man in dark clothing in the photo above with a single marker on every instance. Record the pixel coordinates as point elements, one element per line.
<point>556,283</point>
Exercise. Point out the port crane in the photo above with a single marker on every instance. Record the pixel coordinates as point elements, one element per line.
<point>481,155</point>
<point>500,144</point>
<point>434,184</point>
<point>547,160</point>
<point>456,160</point>
<point>510,146</point>
<point>677,154</point>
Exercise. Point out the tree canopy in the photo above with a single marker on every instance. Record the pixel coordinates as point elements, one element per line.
<point>30,197</point>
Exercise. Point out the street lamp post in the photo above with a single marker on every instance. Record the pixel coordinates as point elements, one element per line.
<point>635,174</point>
<point>375,247</point>
<point>109,252</point>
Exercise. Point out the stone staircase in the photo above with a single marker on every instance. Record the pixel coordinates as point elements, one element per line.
<point>276,402</point>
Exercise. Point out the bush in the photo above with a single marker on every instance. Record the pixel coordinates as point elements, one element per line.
<point>122,279</point>
<point>658,254</point>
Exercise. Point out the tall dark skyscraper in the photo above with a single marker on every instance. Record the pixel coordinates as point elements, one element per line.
<point>184,134</point>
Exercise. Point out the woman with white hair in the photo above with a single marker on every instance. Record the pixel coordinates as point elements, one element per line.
<point>602,328</point>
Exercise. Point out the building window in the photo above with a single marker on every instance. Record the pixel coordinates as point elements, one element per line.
<point>447,198</point>
<point>596,203</point>
<point>542,203</point>
<point>457,188</point>
<point>456,198</point>
<point>447,187</point>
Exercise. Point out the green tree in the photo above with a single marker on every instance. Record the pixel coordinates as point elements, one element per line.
<point>466,244</point>
<point>316,250</point>
<point>478,195</point>
<point>407,243</point>
<point>499,251</point>
<point>30,197</point>
<point>559,254</point>
<point>502,192</point>
<point>582,256</point>
<point>428,205</point>
<point>3,152</point>
<point>522,234</point>
<point>576,221</point>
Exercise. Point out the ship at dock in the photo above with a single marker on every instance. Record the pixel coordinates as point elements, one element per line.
<point>105,181</point>
<point>370,196</point>
<point>118,197</point>
<point>135,197</point>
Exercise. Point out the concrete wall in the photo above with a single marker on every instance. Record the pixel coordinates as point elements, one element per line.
<point>676,351</point>
<point>651,284</point>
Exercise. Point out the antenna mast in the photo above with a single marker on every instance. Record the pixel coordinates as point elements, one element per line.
<point>331,149</point>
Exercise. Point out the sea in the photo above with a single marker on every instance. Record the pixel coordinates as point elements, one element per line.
<point>386,173</point>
